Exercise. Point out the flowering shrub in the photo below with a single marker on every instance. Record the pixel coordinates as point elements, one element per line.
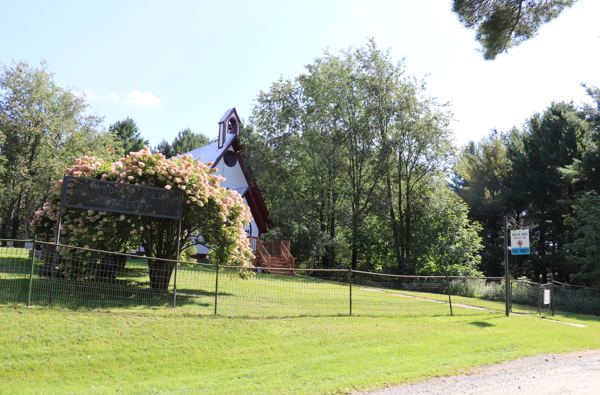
<point>216,213</point>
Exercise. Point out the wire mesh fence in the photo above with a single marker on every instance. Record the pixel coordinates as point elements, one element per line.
<point>526,297</point>
<point>576,299</point>
<point>36,273</point>
<point>16,262</point>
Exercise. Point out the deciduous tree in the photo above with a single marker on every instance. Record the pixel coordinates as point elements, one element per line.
<point>45,128</point>
<point>348,146</point>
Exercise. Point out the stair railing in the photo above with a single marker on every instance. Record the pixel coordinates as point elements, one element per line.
<point>285,253</point>
<point>264,254</point>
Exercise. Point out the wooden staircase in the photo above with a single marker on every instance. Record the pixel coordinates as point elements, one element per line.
<point>273,257</point>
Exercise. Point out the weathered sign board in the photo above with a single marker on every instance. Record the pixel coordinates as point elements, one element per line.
<point>90,194</point>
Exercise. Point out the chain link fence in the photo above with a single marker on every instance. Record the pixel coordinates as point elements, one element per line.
<point>38,273</point>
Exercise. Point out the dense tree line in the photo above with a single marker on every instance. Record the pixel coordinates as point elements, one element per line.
<point>185,141</point>
<point>544,176</point>
<point>354,160</point>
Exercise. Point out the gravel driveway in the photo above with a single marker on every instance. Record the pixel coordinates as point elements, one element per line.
<point>577,373</point>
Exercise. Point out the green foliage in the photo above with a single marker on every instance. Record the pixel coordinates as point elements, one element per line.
<point>128,134</point>
<point>445,241</point>
<point>502,24</point>
<point>577,300</point>
<point>549,142</point>
<point>185,141</point>
<point>43,128</point>
<point>346,153</point>
<point>585,173</point>
<point>539,177</point>
<point>480,180</point>
<point>584,251</point>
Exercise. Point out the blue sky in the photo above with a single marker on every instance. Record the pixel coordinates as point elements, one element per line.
<point>177,64</point>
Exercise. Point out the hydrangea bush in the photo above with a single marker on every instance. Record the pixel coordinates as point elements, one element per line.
<point>216,213</point>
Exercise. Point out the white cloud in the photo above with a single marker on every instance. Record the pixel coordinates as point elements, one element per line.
<point>87,94</point>
<point>143,99</point>
<point>90,95</point>
<point>114,96</point>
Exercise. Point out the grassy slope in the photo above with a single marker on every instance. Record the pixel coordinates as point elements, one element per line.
<point>185,350</point>
<point>178,351</point>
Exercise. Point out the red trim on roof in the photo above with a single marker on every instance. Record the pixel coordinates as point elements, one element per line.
<point>253,196</point>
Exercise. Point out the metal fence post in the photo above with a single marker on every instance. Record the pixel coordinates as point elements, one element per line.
<point>52,274</point>
<point>31,273</point>
<point>541,290</point>
<point>216,287</point>
<point>175,285</point>
<point>449,293</point>
<point>350,282</point>
<point>552,293</point>
<point>506,275</point>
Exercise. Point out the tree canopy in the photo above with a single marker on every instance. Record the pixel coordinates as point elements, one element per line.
<point>185,141</point>
<point>351,155</point>
<point>544,177</point>
<point>502,24</point>
<point>128,134</point>
<point>42,128</point>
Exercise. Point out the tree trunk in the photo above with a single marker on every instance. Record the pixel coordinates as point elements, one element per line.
<point>394,225</point>
<point>354,241</point>
<point>110,265</point>
<point>160,274</point>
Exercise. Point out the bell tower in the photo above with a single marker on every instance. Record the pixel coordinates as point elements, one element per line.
<point>228,124</point>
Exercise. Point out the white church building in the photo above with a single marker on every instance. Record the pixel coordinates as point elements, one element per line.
<point>225,155</point>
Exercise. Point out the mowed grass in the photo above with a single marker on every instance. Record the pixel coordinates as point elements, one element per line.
<point>178,351</point>
<point>273,334</point>
<point>262,295</point>
<point>258,296</point>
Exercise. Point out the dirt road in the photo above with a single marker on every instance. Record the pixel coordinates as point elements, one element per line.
<point>548,374</point>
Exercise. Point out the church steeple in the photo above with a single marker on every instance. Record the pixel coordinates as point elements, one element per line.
<point>229,123</point>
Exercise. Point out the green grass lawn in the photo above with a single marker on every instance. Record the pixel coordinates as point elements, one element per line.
<point>181,351</point>
<point>258,296</point>
<point>273,334</point>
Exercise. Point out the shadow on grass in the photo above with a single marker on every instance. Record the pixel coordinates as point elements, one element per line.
<point>14,265</point>
<point>481,324</point>
<point>200,292</point>
<point>102,293</point>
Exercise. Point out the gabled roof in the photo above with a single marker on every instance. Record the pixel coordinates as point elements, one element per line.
<point>227,114</point>
<point>211,152</point>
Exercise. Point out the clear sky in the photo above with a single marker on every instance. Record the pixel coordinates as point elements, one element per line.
<point>176,64</point>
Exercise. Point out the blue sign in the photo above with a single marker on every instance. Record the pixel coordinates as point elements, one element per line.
<point>520,251</point>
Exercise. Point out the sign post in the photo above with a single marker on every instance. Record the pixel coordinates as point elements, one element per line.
<point>506,277</point>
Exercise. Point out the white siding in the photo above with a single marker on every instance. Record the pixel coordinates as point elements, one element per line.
<point>234,178</point>
<point>254,229</point>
